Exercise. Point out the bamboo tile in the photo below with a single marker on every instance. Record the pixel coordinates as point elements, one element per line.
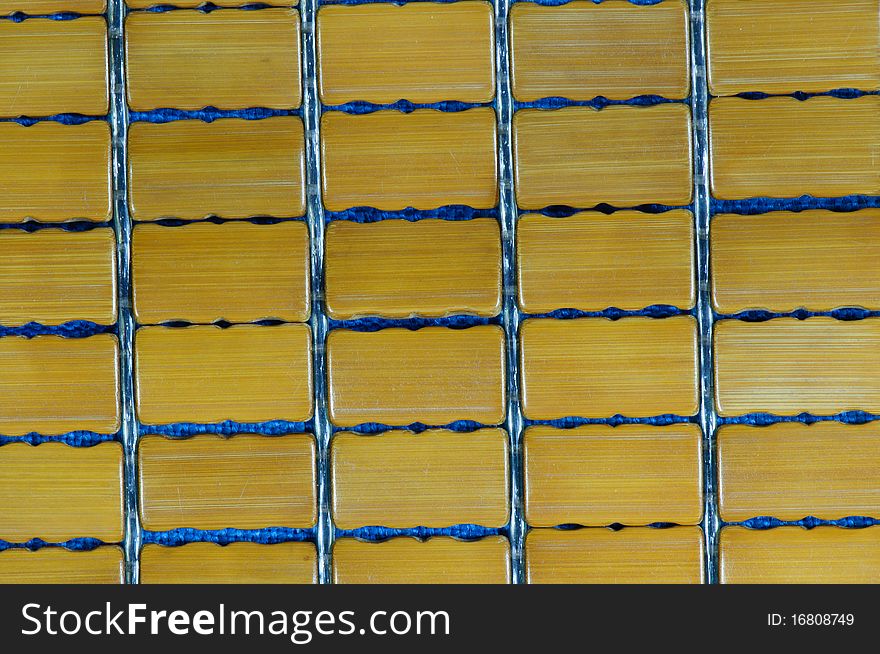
<point>596,368</point>
<point>635,555</point>
<point>57,492</point>
<point>601,475</point>
<point>425,159</point>
<point>53,385</point>
<point>434,375</point>
<point>191,4</point>
<point>398,269</point>
<point>236,563</point>
<point>422,52</point>
<point>792,470</point>
<point>235,271</point>
<point>54,173</point>
<point>439,560</point>
<point>229,168</point>
<point>434,479</point>
<point>234,59</point>
<point>41,7</point>
<point>787,366</point>
<point>792,555</point>
<point>621,155</point>
<point>56,565</point>
<point>75,274</point>
<point>615,49</point>
<point>783,147</point>
<point>185,375</point>
<point>782,261</point>
<point>591,261</point>
<point>799,45</point>
<point>50,67</point>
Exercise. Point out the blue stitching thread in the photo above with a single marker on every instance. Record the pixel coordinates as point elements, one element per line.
<point>71,329</point>
<point>217,220</point>
<point>74,544</point>
<point>265,536</point>
<point>762,315</point>
<point>809,522</point>
<point>20,16</point>
<point>613,313</point>
<point>374,324</point>
<point>598,103</point>
<point>227,428</point>
<point>564,210</point>
<point>72,438</point>
<point>570,422</point>
<point>359,107</point>
<point>376,533</point>
<point>31,226</point>
<point>207,114</point>
<point>841,94</point>
<point>206,7</point>
<point>447,212</point>
<point>375,428</point>
<point>64,119</point>
<point>761,419</point>
<point>760,205</point>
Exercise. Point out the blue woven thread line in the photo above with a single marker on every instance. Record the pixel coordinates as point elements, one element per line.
<point>64,119</point>
<point>21,16</point>
<point>70,329</point>
<point>74,544</point>
<point>217,220</point>
<point>761,419</point>
<point>70,226</point>
<point>571,422</point>
<point>265,536</point>
<point>79,438</point>
<point>599,102</point>
<point>565,210</point>
<point>359,107</point>
<point>840,94</point>
<point>227,428</point>
<point>762,315</point>
<point>207,7</point>
<point>761,205</point>
<point>809,522</point>
<point>447,212</point>
<point>208,114</point>
<point>462,532</point>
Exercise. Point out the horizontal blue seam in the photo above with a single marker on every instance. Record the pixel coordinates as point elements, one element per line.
<point>70,329</point>
<point>842,94</point>
<point>613,313</point>
<point>359,107</point>
<point>20,16</point>
<point>207,114</point>
<point>570,422</point>
<point>614,526</point>
<point>762,315</point>
<point>228,428</point>
<point>217,220</point>
<point>759,205</point>
<point>74,544</point>
<point>372,428</point>
<point>564,210</point>
<point>265,536</point>
<point>206,7</point>
<point>461,531</point>
<point>64,119</point>
<point>448,212</point>
<point>809,522</point>
<point>79,438</point>
<point>374,324</point>
<point>854,417</point>
<point>31,226</point>
<point>599,102</point>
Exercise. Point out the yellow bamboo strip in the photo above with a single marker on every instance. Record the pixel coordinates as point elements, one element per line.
<point>56,565</point>
<point>191,4</point>
<point>40,7</point>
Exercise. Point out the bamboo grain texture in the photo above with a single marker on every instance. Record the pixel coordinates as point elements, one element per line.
<point>192,4</point>
<point>41,7</point>
<point>57,565</point>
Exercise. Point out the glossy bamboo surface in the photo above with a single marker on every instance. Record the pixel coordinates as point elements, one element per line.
<point>56,492</point>
<point>234,271</point>
<point>620,155</point>
<point>422,52</point>
<point>634,555</point>
<point>434,479</point>
<point>247,481</point>
<point>143,4</point>
<point>247,373</point>
<point>592,261</point>
<point>398,269</point>
<point>56,565</point>
<point>41,7</point>
<point>51,276</point>
<point>596,368</point>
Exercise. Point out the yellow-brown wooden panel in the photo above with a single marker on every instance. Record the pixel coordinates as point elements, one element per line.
<point>784,147</point>
<point>788,366</point>
<point>235,271</point>
<point>50,67</point>
<point>41,7</point>
<point>398,269</point>
<point>592,261</point>
<point>230,168</point>
<point>439,560</point>
<point>433,479</point>
<point>75,271</point>
<point>601,475</point>
<point>616,49</point>
<point>781,261</point>
<point>54,173</point>
<point>797,45</point>
<point>143,4</point>
<point>57,492</point>
<point>52,385</point>
<point>792,470</point>
<point>792,555</point>
<point>187,374</point>
<point>425,159</point>
<point>620,155</point>
<point>596,368</point>
<point>422,52</point>
<point>234,59</point>
<point>56,565</point>
<point>432,375</point>
<point>235,563</point>
<point>634,555</point>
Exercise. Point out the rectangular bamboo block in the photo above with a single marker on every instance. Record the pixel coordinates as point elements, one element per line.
<point>784,147</point>
<point>792,555</point>
<point>234,59</point>
<point>792,470</point>
<point>620,155</point>
<point>53,385</point>
<point>41,7</point>
<point>75,274</point>
<point>438,560</point>
<point>235,271</point>
<point>422,52</point>
<point>56,565</point>
<point>787,366</point>
<point>602,475</point>
<point>615,49</point>
<point>596,368</point>
<point>186,375</point>
<point>230,168</point>
<point>191,4</point>
<point>782,261</point>
<point>235,563</point>
<point>54,173</point>
<point>798,45</point>
<point>433,375</point>
<point>437,478</point>
<point>398,269</point>
<point>51,67</point>
<point>634,555</point>
<point>424,159</point>
<point>247,481</point>
<point>57,492</point>
<point>592,261</point>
